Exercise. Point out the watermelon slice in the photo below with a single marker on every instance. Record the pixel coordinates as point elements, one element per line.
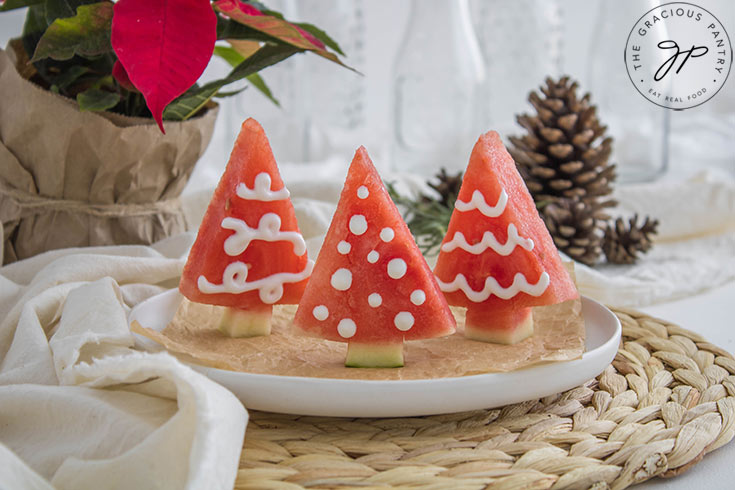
<point>249,253</point>
<point>498,259</point>
<point>371,287</point>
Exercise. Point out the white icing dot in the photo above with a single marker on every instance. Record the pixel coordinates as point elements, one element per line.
<point>418,297</point>
<point>358,224</point>
<point>320,312</point>
<point>347,328</point>
<point>375,300</point>
<point>373,256</point>
<point>403,321</point>
<point>362,192</point>
<point>387,234</point>
<point>343,247</point>
<point>397,268</point>
<point>341,279</point>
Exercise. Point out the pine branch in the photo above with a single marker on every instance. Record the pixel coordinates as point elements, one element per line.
<point>426,217</point>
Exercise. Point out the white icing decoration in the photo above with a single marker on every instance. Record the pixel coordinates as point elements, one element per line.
<point>397,268</point>
<point>478,202</point>
<point>373,256</point>
<point>489,241</point>
<point>270,288</point>
<point>320,312</point>
<point>358,224</point>
<point>261,190</point>
<point>346,328</point>
<point>269,230</point>
<point>375,300</point>
<point>344,247</point>
<point>418,297</point>
<point>363,192</point>
<point>387,234</point>
<point>403,321</point>
<point>520,284</point>
<point>341,279</point>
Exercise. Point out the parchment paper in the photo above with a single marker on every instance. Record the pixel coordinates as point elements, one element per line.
<point>70,178</point>
<point>559,336</point>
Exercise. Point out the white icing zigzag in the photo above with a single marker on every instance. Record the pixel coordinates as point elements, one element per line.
<point>520,284</point>
<point>261,190</point>
<point>234,281</point>
<point>269,230</point>
<point>478,202</point>
<point>489,241</point>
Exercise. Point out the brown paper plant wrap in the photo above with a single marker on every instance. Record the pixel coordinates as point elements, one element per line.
<point>72,179</point>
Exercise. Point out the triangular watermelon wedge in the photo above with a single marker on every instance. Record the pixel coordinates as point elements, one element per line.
<point>497,258</point>
<point>249,253</point>
<point>371,287</point>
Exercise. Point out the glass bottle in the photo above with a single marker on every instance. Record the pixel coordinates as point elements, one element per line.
<point>640,129</point>
<point>439,73</point>
<point>522,44</point>
<point>332,99</point>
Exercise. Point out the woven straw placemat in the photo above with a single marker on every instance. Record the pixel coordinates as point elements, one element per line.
<point>667,400</point>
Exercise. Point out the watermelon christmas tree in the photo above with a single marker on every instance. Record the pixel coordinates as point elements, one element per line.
<point>497,258</point>
<point>249,253</point>
<point>371,287</point>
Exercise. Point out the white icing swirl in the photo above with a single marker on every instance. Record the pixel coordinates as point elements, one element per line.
<point>520,284</point>
<point>489,241</point>
<point>270,288</point>
<point>478,202</point>
<point>261,190</point>
<point>269,230</point>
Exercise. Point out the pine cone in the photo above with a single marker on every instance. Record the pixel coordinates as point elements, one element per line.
<point>447,188</point>
<point>622,244</point>
<point>575,227</point>
<point>562,154</point>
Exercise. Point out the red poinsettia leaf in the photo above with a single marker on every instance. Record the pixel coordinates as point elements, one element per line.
<point>310,37</point>
<point>249,9</point>
<point>118,71</point>
<point>164,46</point>
<point>268,24</point>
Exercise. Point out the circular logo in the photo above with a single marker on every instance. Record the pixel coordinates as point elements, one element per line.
<point>678,55</point>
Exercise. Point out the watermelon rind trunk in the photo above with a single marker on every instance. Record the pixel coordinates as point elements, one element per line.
<point>374,355</point>
<point>239,323</point>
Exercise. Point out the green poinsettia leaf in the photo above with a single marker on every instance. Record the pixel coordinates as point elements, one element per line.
<point>257,81</point>
<point>59,9</point>
<point>96,100</point>
<point>229,29</point>
<point>69,76</point>
<point>234,58</point>
<point>86,34</point>
<point>230,55</point>
<point>321,35</point>
<point>18,4</point>
<point>194,99</point>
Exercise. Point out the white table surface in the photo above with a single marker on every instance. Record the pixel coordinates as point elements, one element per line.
<point>709,314</point>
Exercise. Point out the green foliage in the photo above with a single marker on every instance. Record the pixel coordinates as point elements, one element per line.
<point>68,44</point>
<point>426,216</point>
<point>95,99</point>
<point>87,33</point>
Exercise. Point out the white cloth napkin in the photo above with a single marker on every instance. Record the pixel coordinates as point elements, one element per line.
<point>79,408</point>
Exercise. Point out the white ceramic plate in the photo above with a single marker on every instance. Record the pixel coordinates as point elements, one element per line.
<point>363,398</point>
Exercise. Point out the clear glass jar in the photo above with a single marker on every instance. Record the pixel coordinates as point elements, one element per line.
<point>439,74</point>
<point>640,129</point>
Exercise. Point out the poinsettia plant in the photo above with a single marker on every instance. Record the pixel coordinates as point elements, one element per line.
<point>145,57</point>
